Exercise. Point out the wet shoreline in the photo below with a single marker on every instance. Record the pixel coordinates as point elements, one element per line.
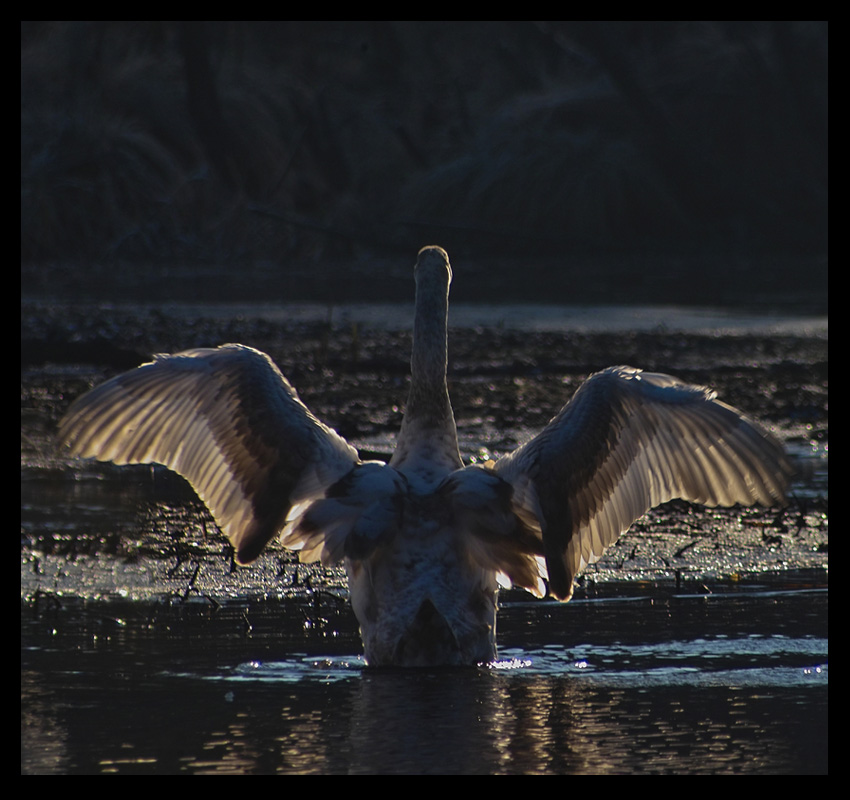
<point>509,373</point>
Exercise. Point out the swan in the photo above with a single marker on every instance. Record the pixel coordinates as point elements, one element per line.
<point>426,541</point>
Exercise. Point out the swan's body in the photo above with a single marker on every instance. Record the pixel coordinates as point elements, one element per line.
<point>425,540</point>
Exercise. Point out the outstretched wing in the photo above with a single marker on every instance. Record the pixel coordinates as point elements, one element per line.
<point>229,422</point>
<point>626,442</point>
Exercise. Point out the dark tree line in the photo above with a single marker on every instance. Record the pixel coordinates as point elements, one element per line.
<point>240,142</point>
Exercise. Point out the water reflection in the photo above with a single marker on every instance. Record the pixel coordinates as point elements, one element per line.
<point>158,698</point>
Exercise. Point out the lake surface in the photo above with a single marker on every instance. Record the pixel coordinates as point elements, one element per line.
<point>699,645</point>
<point>733,681</point>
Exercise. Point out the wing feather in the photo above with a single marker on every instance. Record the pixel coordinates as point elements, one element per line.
<point>626,442</point>
<point>228,421</point>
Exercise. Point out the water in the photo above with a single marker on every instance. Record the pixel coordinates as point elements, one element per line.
<point>648,682</point>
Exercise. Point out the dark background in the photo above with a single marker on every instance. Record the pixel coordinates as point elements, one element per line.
<point>556,161</point>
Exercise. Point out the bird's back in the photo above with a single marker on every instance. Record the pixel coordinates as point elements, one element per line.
<point>422,599</point>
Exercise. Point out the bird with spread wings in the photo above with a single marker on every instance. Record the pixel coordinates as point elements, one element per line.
<point>427,541</point>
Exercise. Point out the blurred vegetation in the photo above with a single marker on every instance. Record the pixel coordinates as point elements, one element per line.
<point>246,143</point>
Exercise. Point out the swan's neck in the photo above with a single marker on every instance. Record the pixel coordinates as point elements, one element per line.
<point>428,432</point>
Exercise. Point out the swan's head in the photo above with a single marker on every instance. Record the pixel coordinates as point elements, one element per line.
<point>432,262</point>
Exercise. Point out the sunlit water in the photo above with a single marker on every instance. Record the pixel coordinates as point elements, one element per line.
<point>735,682</point>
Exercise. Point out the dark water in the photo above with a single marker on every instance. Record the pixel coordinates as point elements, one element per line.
<point>652,681</point>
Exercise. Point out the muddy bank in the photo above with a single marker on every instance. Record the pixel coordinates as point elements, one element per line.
<point>95,530</point>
